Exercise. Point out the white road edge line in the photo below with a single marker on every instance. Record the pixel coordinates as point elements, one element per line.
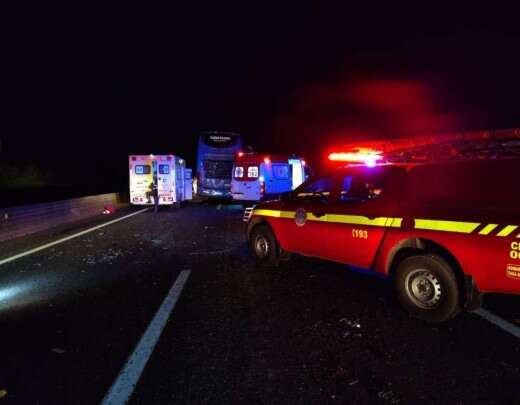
<point>501,323</point>
<point>76,235</point>
<point>122,389</point>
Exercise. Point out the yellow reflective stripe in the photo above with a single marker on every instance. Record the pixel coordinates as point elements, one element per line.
<point>356,220</point>
<point>446,226</point>
<point>508,230</point>
<point>335,218</point>
<point>362,220</point>
<point>312,217</point>
<point>488,229</point>
<point>274,213</point>
<point>394,222</point>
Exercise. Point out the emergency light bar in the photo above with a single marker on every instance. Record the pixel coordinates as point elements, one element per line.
<point>368,157</point>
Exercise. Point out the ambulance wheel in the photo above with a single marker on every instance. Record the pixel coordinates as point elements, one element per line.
<point>263,245</point>
<point>427,288</point>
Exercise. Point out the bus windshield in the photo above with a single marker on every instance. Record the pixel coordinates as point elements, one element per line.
<point>215,156</point>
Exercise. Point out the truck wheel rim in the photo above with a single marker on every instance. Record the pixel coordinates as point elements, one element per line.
<point>261,246</point>
<point>424,288</point>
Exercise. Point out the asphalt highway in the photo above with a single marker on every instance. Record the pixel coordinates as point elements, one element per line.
<point>309,332</point>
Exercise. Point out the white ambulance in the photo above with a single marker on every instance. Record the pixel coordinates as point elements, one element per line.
<point>167,172</point>
<point>257,177</point>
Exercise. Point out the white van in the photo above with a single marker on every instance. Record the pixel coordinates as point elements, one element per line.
<point>167,172</point>
<point>257,177</point>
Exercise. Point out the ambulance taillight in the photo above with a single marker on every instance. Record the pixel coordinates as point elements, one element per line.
<point>262,185</point>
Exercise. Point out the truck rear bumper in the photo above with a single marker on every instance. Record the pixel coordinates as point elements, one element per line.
<point>210,192</point>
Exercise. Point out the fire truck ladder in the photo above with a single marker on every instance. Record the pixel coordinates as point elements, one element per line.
<point>496,144</point>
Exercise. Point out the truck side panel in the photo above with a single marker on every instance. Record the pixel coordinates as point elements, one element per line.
<point>489,259</point>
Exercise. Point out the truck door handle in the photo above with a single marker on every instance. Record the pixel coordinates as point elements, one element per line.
<point>318,214</point>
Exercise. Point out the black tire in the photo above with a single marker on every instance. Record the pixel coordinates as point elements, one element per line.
<point>263,246</point>
<point>427,288</point>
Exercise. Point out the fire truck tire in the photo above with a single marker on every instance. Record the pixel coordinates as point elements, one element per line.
<point>427,288</point>
<point>263,245</point>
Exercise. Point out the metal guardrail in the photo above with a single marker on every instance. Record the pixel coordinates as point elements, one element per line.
<point>27,219</point>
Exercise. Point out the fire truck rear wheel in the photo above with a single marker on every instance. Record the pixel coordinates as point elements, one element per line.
<point>263,246</point>
<point>427,288</point>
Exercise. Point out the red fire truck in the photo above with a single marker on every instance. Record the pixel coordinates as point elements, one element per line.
<point>440,216</point>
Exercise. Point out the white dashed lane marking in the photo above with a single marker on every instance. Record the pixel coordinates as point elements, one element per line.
<point>124,386</point>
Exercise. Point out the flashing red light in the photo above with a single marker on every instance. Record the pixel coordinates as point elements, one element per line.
<point>267,160</point>
<point>240,154</point>
<point>304,162</point>
<point>369,158</point>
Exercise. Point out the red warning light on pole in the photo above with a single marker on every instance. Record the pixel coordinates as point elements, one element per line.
<point>240,154</point>
<point>267,160</point>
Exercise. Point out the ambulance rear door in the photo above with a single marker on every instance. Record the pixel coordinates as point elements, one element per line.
<point>141,179</point>
<point>188,184</point>
<point>165,173</point>
<point>298,175</point>
<point>180,166</point>
<point>278,177</point>
<point>246,182</point>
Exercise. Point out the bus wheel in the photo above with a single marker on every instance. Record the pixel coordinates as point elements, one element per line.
<point>427,288</point>
<point>263,246</point>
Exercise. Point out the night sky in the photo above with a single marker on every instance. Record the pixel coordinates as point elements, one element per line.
<point>85,87</point>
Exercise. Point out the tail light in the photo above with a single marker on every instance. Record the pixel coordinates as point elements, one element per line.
<point>262,187</point>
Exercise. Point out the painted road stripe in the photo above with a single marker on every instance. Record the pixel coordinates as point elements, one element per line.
<point>501,323</point>
<point>128,378</point>
<point>76,235</point>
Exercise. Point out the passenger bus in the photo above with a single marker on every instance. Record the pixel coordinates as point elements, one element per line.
<point>215,156</point>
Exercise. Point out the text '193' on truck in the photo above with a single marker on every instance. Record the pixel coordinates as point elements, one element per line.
<point>441,217</point>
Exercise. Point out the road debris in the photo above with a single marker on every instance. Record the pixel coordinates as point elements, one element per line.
<point>108,256</point>
<point>389,396</point>
<point>214,252</point>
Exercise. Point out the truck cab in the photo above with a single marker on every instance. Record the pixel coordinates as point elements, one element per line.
<point>445,232</point>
